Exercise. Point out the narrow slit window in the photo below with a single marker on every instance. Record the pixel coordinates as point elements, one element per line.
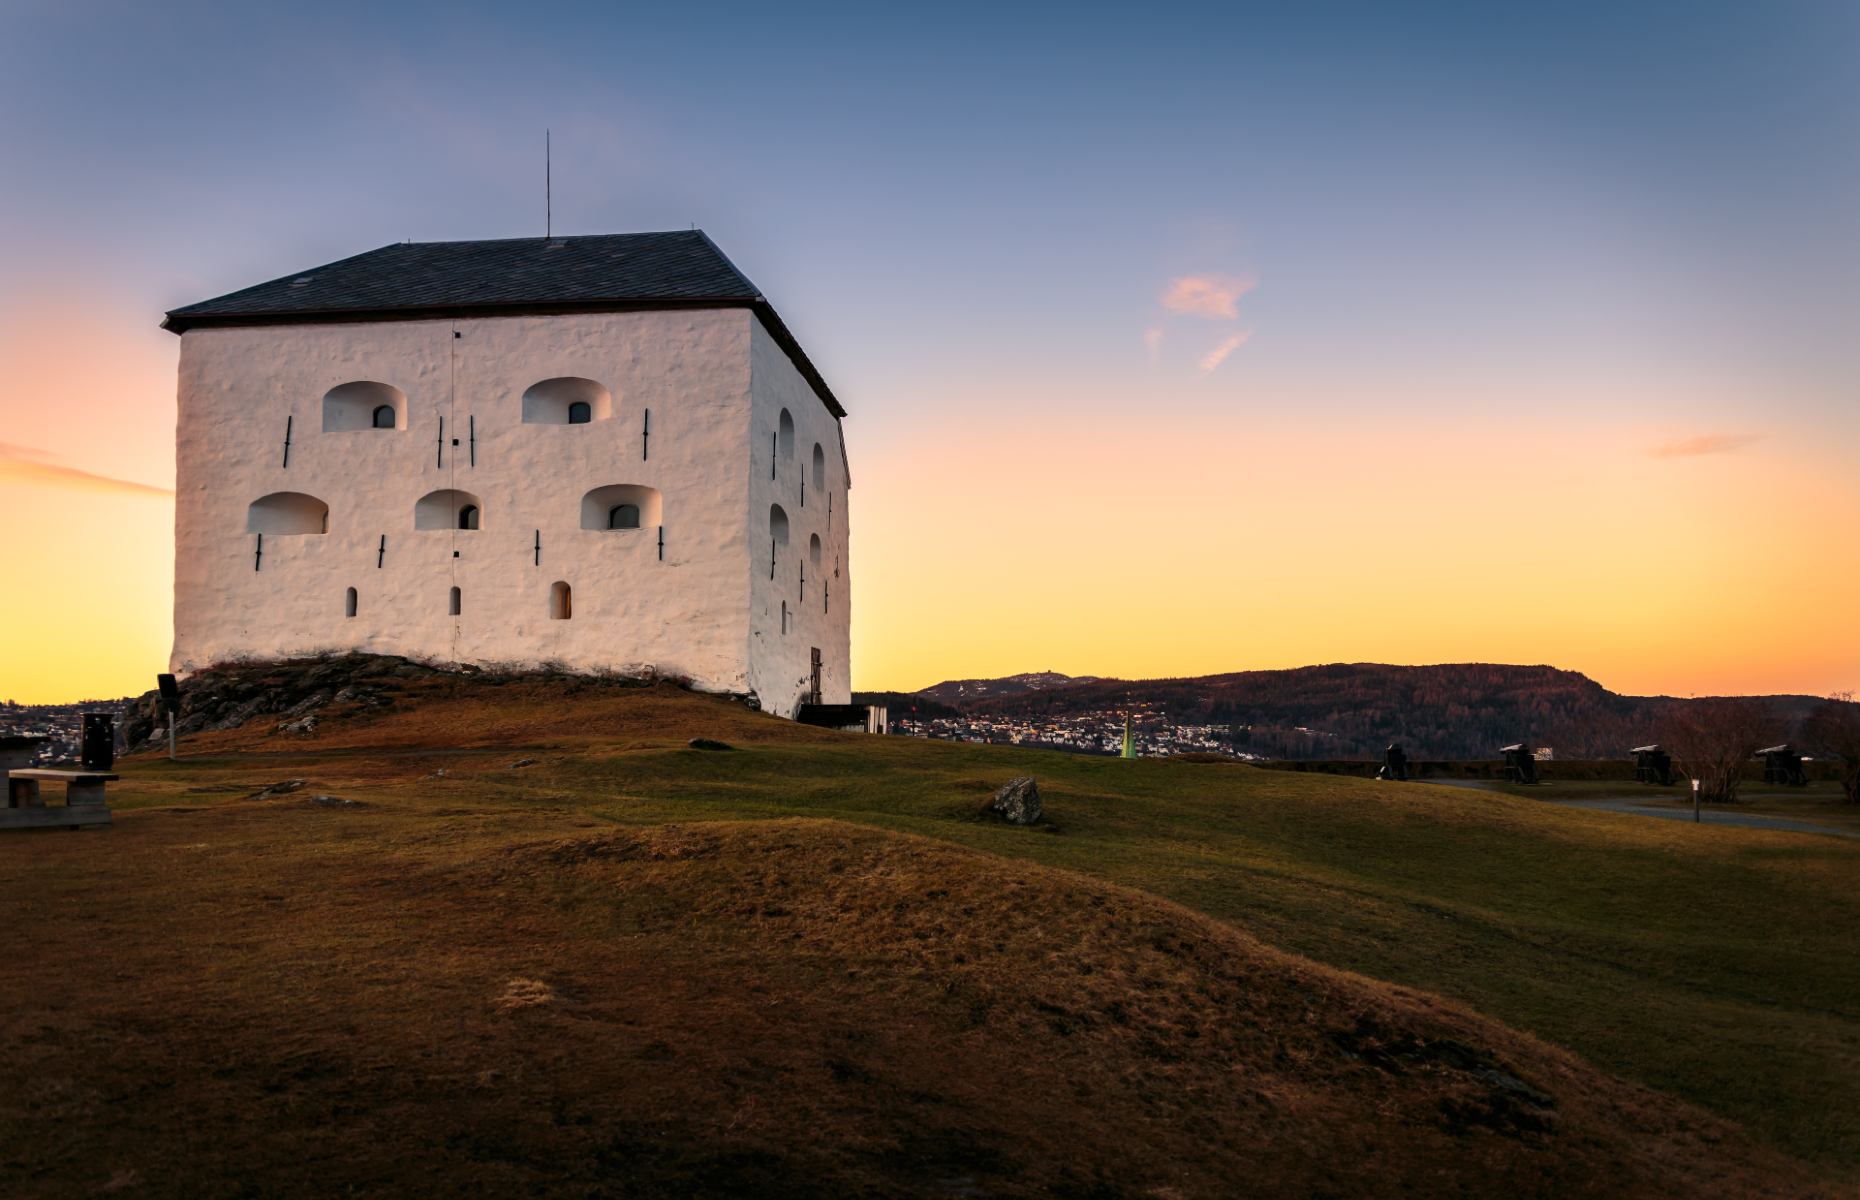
<point>452,603</point>
<point>561,601</point>
<point>348,603</point>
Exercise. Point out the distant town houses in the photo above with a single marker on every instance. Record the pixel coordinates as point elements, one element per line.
<point>1098,732</point>
<point>61,725</point>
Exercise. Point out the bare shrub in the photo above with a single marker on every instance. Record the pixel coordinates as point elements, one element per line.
<point>1833,728</point>
<point>1713,739</point>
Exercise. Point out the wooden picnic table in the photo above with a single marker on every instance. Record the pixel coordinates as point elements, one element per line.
<point>84,799</point>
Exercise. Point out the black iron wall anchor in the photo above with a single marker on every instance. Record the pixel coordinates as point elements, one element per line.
<point>472,429</point>
<point>381,552</point>
<point>442,443</point>
<point>538,548</point>
<point>645,436</point>
<point>661,543</point>
<point>774,452</point>
<point>287,440</point>
<point>258,552</point>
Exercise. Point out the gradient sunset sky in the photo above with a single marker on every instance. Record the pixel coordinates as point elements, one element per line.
<point>1176,339</point>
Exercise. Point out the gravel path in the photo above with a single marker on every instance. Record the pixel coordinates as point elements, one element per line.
<point>1710,816</point>
<point>1639,807</point>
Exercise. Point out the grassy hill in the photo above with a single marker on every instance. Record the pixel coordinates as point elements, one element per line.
<point>804,967</point>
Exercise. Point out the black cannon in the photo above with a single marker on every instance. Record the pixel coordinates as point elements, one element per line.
<point>1520,763</point>
<point>1781,764</point>
<point>1394,764</point>
<point>1652,764</point>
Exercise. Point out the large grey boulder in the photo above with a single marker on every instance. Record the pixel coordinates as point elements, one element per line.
<point>1017,801</point>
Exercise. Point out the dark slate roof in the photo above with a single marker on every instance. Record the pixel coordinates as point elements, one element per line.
<point>511,276</point>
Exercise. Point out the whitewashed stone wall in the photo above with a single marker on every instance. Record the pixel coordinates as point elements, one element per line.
<point>813,596</point>
<point>694,613</point>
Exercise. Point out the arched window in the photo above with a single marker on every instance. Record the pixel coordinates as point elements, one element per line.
<point>561,602</point>
<point>784,436</point>
<point>813,550</point>
<point>348,603</point>
<point>361,405</point>
<point>287,512</point>
<point>568,400</point>
<point>778,535</point>
<point>606,508</point>
<point>452,603</point>
<point>820,468</point>
<point>447,508</point>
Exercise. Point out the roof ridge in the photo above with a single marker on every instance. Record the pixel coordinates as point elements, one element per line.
<point>550,237</point>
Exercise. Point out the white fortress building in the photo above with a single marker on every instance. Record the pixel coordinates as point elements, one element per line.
<point>603,452</point>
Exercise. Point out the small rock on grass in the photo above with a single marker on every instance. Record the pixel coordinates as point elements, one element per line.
<point>709,744</point>
<point>1017,802</point>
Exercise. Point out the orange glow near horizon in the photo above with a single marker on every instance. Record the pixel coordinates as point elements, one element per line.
<point>1197,550</point>
<point>1191,542</point>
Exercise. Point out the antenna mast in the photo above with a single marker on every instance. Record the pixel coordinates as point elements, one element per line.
<point>548,192</point>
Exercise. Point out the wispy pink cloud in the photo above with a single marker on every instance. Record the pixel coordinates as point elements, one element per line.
<point>1218,355</point>
<point>1705,443</point>
<point>29,465</point>
<point>1152,341</point>
<point>1213,296</point>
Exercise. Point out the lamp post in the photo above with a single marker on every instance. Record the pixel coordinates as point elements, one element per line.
<point>1695,802</point>
<point>171,702</point>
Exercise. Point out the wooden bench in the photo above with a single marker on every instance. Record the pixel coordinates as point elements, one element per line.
<point>84,800</point>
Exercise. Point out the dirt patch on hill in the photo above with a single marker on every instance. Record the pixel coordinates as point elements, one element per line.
<point>308,1003</point>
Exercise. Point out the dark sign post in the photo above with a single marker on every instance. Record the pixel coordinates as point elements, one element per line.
<point>97,742</point>
<point>171,703</point>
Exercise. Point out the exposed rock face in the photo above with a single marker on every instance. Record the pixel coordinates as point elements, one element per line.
<point>301,695</point>
<point>1017,801</point>
<point>227,697</point>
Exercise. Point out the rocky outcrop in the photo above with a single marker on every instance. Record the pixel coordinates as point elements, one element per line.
<point>1017,802</point>
<point>299,697</point>
<point>227,697</point>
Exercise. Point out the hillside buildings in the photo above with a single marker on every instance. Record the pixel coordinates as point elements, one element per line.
<point>605,452</point>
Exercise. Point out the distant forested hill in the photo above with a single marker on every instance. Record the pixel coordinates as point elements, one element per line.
<point>1353,710</point>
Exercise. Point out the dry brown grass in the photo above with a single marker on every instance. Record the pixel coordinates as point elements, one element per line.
<point>267,997</point>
